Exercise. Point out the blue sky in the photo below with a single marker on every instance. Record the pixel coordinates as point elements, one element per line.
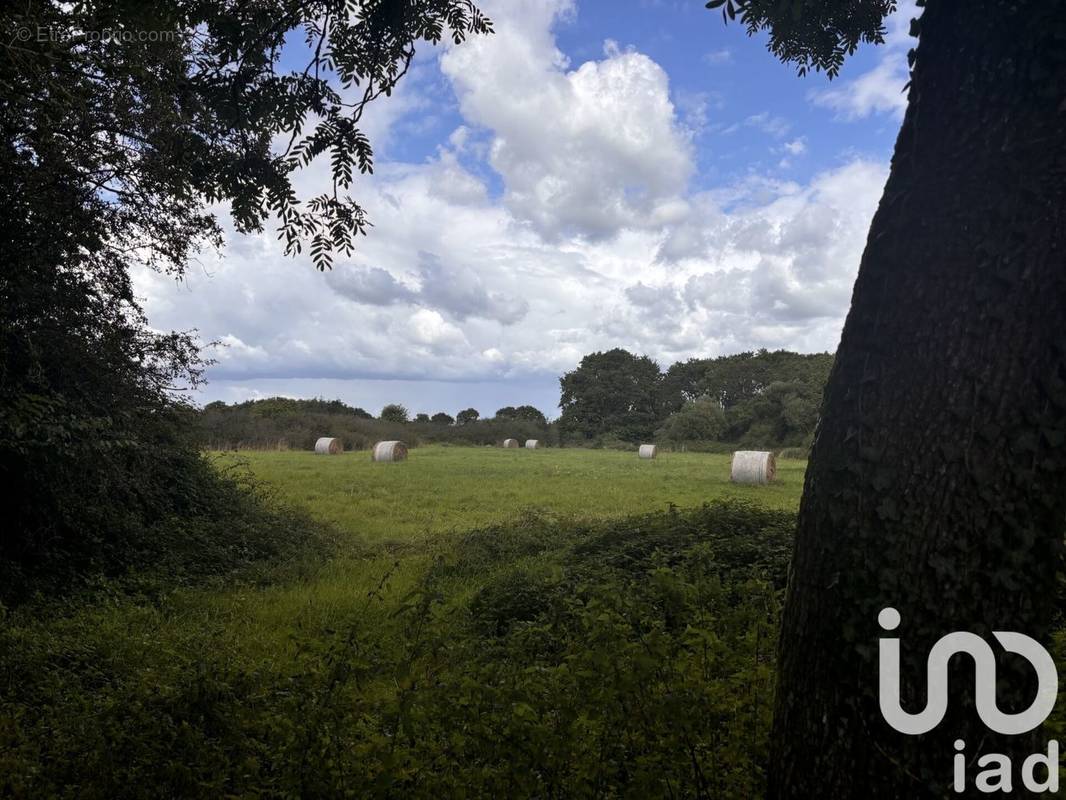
<point>714,66</point>
<point>593,175</point>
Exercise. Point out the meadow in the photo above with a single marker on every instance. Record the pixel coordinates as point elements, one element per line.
<point>560,622</point>
<point>445,489</point>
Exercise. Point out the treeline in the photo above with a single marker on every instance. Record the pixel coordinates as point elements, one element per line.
<point>757,399</point>
<point>284,423</point>
<point>613,399</point>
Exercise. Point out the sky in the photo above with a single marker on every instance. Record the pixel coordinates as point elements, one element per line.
<point>594,175</point>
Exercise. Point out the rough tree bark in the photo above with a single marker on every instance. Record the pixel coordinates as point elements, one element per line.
<point>937,482</point>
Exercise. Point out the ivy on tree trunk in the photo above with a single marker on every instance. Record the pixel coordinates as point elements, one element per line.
<point>937,482</point>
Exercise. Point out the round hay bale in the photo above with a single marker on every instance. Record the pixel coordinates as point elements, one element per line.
<point>328,446</point>
<point>755,467</point>
<point>389,451</point>
<point>648,451</point>
<point>510,443</point>
<point>532,444</point>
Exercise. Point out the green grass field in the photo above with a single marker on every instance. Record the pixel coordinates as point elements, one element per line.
<point>188,683</point>
<point>393,519</point>
<point>440,489</point>
<point>408,511</point>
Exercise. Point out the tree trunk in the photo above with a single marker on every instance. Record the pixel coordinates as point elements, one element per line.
<point>937,482</point>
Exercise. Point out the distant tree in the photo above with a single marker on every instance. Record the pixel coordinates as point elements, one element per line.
<point>273,406</point>
<point>466,416</point>
<point>784,414</point>
<point>682,383</point>
<point>937,481</point>
<point>440,418</point>
<point>530,414</point>
<point>394,412</point>
<point>700,420</point>
<point>615,393</point>
<point>421,417</point>
<point>735,378</point>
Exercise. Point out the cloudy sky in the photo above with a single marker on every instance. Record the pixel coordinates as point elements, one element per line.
<point>596,174</point>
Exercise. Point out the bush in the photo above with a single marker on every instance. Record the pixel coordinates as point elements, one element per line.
<point>701,420</point>
<point>517,595</point>
<point>609,442</point>
<point>186,522</point>
<point>542,659</point>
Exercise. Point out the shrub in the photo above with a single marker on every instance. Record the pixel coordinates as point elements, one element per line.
<point>622,659</point>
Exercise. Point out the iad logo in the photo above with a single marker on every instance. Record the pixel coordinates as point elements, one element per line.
<point>998,777</point>
<point>984,680</point>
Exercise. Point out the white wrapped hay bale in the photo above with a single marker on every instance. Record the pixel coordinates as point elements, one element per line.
<point>753,467</point>
<point>329,446</point>
<point>532,444</point>
<point>389,451</point>
<point>648,451</point>
<point>510,443</point>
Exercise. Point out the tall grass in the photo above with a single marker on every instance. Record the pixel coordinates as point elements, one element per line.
<point>485,612</point>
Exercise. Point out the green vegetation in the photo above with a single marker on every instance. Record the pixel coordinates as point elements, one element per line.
<point>394,413</point>
<point>560,647</point>
<point>282,423</point>
<point>441,489</point>
<point>700,420</point>
<point>762,400</point>
<point>115,153</point>
<point>612,394</point>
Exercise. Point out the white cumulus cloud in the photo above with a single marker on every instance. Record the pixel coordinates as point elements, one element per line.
<point>587,237</point>
<point>589,150</point>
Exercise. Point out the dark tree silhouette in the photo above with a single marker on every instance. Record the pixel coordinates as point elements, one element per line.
<point>466,416</point>
<point>111,148</point>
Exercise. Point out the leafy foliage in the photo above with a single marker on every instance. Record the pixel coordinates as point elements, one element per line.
<point>157,125</point>
<point>540,658</point>
<point>612,392</point>
<point>283,423</point>
<point>700,420</point>
<point>733,379</point>
<point>763,399</point>
<point>92,444</point>
<point>119,122</point>
<point>466,416</point>
<point>530,413</point>
<point>395,413</point>
<point>785,413</point>
<point>813,34</point>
